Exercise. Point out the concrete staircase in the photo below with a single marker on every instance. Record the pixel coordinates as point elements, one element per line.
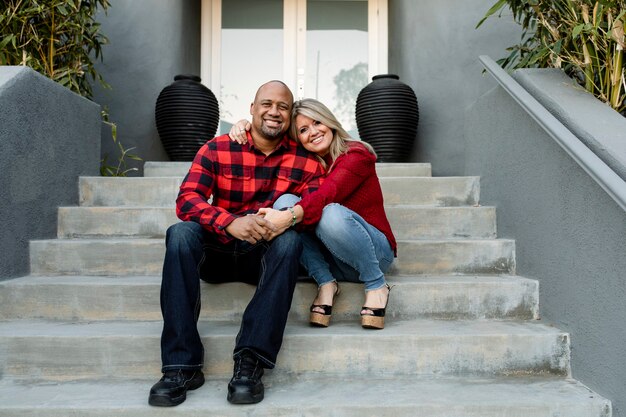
<point>80,335</point>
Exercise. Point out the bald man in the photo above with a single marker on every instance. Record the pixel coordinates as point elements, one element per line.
<point>225,241</point>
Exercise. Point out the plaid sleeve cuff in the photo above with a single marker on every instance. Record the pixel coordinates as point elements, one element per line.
<point>222,221</point>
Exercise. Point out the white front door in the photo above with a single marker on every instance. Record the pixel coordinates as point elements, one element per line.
<point>324,49</point>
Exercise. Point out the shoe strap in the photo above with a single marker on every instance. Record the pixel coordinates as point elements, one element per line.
<point>328,310</point>
<point>376,312</point>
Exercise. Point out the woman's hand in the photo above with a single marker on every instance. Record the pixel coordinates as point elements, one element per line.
<point>238,132</point>
<point>280,219</point>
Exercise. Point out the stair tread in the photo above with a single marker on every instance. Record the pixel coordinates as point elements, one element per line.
<point>124,297</point>
<point>154,240</point>
<point>415,329</point>
<point>399,280</point>
<point>387,205</point>
<point>312,395</point>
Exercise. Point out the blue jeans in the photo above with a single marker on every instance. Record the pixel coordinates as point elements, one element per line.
<point>344,247</point>
<point>193,254</point>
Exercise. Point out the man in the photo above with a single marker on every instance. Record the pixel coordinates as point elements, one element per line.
<point>226,241</point>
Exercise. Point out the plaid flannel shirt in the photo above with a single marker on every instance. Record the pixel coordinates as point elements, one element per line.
<point>241,179</point>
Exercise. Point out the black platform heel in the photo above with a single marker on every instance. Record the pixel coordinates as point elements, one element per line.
<point>322,319</point>
<point>375,320</point>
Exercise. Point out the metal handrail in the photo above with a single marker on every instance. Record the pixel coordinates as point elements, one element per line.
<point>588,161</point>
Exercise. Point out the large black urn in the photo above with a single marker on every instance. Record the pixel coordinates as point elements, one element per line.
<point>187,114</point>
<point>387,116</point>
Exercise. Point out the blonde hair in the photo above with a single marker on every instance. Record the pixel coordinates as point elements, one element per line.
<point>317,111</point>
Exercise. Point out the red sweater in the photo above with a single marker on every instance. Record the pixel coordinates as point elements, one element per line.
<point>351,182</point>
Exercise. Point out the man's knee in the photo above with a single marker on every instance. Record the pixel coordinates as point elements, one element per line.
<point>287,244</point>
<point>184,235</point>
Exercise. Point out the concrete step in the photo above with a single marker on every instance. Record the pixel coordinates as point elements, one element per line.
<point>417,347</point>
<point>162,191</point>
<point>408,222</point>
<point>309,396</point>
<point>88,298</point>
<point>179,169</point>
<point>145,257</point>
<point>465,256</point>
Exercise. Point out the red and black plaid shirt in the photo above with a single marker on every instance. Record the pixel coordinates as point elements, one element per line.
<point>241,179</point>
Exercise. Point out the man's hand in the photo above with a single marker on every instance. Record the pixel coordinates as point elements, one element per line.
<point>281,220</point>
<point>251,228</point>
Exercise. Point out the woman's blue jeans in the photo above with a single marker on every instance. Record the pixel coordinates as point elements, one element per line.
<point>193,254</point>
<point>344,247</point>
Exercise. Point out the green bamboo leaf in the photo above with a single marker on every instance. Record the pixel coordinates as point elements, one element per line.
<point>5,41</point>
<point>576,31</point>
<point>499,5</point>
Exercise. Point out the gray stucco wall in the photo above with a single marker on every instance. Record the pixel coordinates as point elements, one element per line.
<point>434,48</point>
<point>570,235</point>
<point>49,136</point>
<point>150,41</point>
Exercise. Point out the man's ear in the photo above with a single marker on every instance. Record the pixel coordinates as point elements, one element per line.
<point>251,108</point>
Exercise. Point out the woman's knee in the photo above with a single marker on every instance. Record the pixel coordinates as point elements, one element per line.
<point>285,200</point>
<point>334,220</point>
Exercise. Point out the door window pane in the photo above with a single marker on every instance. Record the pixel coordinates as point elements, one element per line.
<point>337,56</point>
<point>252,53</point>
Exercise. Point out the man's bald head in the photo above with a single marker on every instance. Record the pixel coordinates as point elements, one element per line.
<point>273,83</point>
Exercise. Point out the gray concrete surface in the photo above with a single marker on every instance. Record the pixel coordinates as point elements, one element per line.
<point>48,137</point>
<point>434,48</point>
<point>399,169</point>
<point>162,191</point>
<point>88,298</point>
<point>602,130</point>
<point>570,235</point>
<point>151,41</point>
<point>131,349</point>
<point>123,256</point>
<point>310,396</point>
<point>407,222</point>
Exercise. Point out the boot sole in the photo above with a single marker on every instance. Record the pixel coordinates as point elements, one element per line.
<point>244,398</point>
<point>167,401</point>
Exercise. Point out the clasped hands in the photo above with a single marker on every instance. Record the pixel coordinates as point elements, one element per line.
<point>266,224</point>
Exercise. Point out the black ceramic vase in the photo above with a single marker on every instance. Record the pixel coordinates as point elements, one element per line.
<point>386,116</point>
<point>187,114</point>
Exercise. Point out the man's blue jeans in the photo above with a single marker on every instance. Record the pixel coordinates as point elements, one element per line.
<point>344,247</point>
<point>193,254</point>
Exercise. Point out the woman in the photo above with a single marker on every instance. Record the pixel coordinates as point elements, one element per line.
<point>353,240</point>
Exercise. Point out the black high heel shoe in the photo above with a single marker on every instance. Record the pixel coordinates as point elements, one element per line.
<point>322,319</point>
<point>375,320</point>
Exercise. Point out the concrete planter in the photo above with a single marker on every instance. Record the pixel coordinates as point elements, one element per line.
<point>597,125</point>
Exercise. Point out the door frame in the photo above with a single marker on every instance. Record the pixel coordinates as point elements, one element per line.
<point>294,48</point>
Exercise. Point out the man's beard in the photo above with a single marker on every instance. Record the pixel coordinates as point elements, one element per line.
<point>271,133</point>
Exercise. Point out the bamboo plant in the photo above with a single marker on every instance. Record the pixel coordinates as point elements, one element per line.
<point>583,37</point>
<point>57,38</point>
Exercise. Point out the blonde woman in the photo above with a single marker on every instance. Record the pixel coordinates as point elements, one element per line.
<point>352,239</point>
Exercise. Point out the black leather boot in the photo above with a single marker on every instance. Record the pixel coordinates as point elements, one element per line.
<point>172,388</point>
<point>246,386</point>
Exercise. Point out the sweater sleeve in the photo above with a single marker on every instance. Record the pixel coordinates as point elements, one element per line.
<point>348,173</point>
